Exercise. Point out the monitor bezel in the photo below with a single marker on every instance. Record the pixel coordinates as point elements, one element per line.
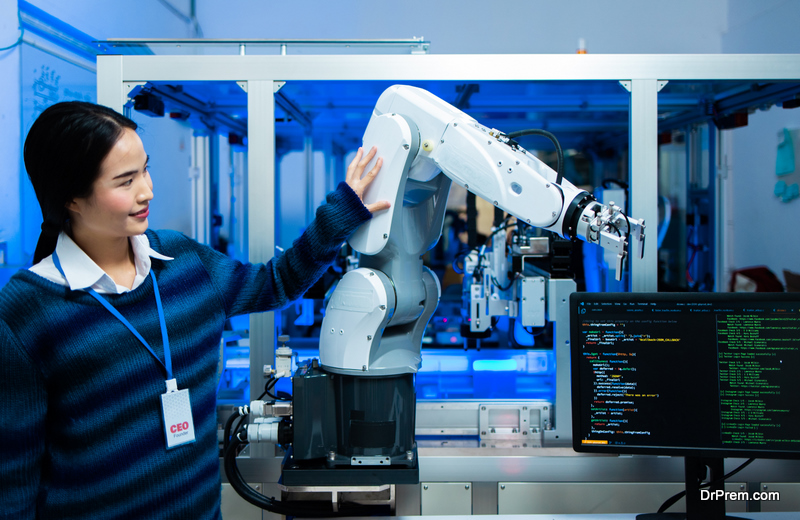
<point>683,451</point>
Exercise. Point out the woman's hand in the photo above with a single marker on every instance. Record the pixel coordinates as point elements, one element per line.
<point>359,184</point>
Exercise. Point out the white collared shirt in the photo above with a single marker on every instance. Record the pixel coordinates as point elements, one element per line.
<point>82,272</point>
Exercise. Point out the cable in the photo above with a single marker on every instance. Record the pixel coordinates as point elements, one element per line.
<point>239,412</point>
<point>673,499</point>
<point>276,506</point>
<point>507,287</point>
<point>545,133</point>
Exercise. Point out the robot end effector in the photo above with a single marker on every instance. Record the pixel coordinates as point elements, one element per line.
<point>605,226</point>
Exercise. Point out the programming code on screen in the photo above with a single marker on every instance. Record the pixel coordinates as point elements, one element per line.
<point>695,375</point>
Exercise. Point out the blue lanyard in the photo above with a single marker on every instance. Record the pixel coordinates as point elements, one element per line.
<point>167,359</point>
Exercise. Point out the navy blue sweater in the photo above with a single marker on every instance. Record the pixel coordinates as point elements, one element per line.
<point>81,432</point>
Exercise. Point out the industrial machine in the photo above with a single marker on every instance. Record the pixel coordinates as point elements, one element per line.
<point>352,418</point>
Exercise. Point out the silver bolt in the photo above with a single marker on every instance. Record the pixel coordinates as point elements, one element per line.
<point>371,273</point>
<point>405,147</point>
<point>499,163</point>
<point>495,203</point>
<point>554,214</point>
<point>369,338</point>
<point>529,221</point>
<point>455,124</point>
<point>364,368</point>
<point>510,170</point>
<point>489,142</point>
<point>385,236</point>
<point>341,331</point>
<point>483,408</point>
<point>502,486</point>
<point>517,162</point>
<point>483,433</point>
<point>331,455</point>
<point>466,186</point>
<point>547,185</point>
<point>425,486</point>
<point>466,486</point>
<point>441,141</point>
<point>524,433</point>
<point>410,455</point>
<point>331,331</point>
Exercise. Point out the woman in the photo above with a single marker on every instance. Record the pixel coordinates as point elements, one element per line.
<point>109,312</point>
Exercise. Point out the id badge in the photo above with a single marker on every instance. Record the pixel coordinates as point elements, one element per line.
<point>177,410</point>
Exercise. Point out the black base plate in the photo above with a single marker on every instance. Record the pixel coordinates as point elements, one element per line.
<point>310,473</point>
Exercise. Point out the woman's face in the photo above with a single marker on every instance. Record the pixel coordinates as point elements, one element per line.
<point>119,203</point>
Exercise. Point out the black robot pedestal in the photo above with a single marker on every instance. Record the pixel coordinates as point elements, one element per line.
<point>351,430</point>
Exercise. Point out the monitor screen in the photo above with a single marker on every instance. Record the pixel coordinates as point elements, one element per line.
<point>689,374</point>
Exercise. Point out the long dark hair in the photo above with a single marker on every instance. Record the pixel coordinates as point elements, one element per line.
<point>63,152</point>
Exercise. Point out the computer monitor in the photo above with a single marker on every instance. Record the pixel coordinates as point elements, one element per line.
<point>699,375</point>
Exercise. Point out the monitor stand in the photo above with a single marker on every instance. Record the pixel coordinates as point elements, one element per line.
<point>697,509</point>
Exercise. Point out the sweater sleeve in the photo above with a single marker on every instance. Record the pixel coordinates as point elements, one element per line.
<point>23,406</point>
<point>247,288</point>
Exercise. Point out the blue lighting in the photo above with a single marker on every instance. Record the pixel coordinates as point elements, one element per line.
<point>494,365</point>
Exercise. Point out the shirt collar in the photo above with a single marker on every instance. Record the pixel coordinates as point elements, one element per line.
<point>81,272</point>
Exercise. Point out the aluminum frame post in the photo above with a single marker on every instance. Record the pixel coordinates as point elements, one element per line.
<point>110,85</point>
<point>643,149</point>
<point>261,238</point>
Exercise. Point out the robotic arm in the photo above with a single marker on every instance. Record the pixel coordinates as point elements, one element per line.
<point>377,314</point>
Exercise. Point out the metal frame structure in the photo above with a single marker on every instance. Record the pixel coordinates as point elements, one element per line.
<point>642,75</point>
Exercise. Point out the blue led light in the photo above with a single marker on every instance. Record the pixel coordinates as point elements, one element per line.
<point>494,365</point>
